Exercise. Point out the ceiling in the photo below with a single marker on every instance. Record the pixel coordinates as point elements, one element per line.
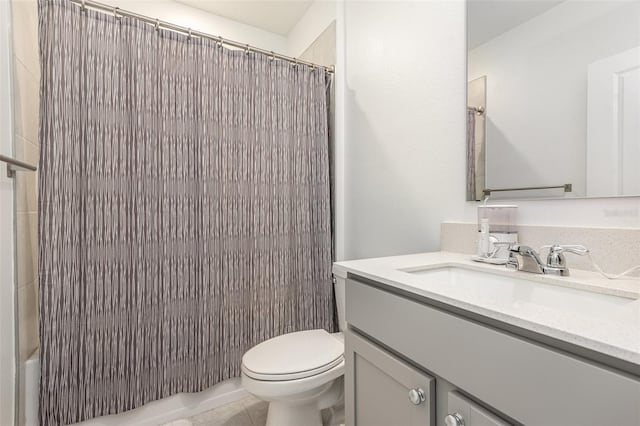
<point>487,19</point>
<point>276,16</point>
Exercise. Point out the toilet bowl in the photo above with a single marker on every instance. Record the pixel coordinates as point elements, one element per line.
<point>299,374</point>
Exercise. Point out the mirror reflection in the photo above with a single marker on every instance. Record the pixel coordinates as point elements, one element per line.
<point>553,99</point>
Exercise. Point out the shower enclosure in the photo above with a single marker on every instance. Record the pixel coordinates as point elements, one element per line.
<point>184,208</point>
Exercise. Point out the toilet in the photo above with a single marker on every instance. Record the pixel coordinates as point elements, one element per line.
<point>299,374</point>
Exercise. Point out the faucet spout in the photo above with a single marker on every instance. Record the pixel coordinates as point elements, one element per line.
<point>524,258</point>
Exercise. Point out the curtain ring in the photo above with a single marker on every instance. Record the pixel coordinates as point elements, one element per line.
<point>157,25</point>
<point>83,5</point>
<point>247,49</point>
<point>115,12</point>
<point>273,56</point>
<point>295,62</point>
<point>189,34</point>
<point>219,41</point>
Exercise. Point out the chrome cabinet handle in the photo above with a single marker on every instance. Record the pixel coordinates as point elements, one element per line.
<point>454,419</point>
<point>417,396</point>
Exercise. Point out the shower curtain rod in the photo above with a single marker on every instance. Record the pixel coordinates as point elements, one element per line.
<point>157,23</point>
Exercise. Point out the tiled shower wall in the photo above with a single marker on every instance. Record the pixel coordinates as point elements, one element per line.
<point>26,86</point>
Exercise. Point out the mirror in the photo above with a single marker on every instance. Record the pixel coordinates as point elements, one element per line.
<point>553,98</point>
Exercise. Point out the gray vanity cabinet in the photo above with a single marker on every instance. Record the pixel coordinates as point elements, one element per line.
<point>382,390</point>
<point>488,375</point>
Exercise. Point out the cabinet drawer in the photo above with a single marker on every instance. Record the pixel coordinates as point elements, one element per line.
<point>528,382</point>
<point>469,413</point>
<point>382,390</point>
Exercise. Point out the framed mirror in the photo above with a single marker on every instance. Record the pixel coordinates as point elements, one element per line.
<point>553,98</point>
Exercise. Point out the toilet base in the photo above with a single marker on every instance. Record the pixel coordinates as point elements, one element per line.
<point>284,414</point>
<point>306,410</point>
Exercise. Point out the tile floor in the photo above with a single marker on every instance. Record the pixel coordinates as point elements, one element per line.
<point>248,411</point>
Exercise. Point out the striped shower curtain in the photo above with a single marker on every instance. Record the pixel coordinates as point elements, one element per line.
<point>184,210</point>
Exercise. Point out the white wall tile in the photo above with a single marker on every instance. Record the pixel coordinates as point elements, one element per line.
<point>26,182</point>
<point>28,319</point>
<point>27,247</point>
<point>26,102</point>
<point>25,34</point>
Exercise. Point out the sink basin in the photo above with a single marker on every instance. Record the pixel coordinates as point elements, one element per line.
<point>515,290</point>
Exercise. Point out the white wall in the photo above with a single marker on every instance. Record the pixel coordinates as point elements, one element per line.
<point>7,281</point>
<point>405,124</point>
<point>537,91</point>
<point>340,135</point>
<point>181,14</point>
<point>405,134</point>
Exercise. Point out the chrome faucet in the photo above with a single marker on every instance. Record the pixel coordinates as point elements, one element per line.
<point>524,258</point>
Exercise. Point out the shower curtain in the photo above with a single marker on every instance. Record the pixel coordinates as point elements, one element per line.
<point>184,210</point>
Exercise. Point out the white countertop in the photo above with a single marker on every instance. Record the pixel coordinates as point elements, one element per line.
<point>616,334</point>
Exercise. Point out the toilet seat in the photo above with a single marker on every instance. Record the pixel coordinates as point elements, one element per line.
<point>285,389</point>
<point>293,356</point>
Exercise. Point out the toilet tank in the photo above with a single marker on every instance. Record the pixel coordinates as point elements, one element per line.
<point>339,285</point>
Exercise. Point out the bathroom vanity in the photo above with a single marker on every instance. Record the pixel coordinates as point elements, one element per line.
<point>435,339</point>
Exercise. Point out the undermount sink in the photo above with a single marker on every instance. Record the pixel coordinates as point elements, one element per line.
<point>515,289</point>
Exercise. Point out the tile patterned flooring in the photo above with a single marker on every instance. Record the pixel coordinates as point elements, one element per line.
<point>248,411</point>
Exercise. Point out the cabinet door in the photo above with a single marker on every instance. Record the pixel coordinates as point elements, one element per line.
<point>461,412</point>
<point>383,390</point>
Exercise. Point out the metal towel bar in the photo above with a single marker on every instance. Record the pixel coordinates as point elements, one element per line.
<point>14,166</point>
<point>567,188</point>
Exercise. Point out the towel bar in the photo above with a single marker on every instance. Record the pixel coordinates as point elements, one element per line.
<point>14,166</point>
<point>567,188</point>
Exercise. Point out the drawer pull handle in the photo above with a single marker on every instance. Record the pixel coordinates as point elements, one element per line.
<point>417,396</point>
<point>454,419</point>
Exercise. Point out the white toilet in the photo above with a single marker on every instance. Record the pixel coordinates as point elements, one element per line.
<point>299,373</point>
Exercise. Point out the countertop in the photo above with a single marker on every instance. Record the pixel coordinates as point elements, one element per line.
<point>615,333</point>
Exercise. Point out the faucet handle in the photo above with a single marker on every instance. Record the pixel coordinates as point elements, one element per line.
<point>570,248</point>
<point>555,258</point>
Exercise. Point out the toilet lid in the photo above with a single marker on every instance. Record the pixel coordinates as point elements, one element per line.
<point>293,356</point>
